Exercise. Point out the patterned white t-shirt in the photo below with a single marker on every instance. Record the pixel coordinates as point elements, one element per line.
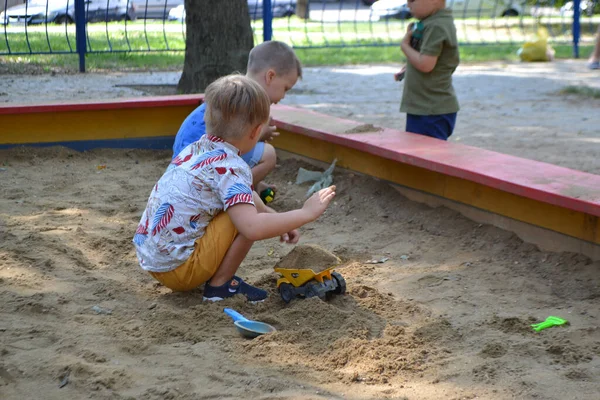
<point>206,178</point>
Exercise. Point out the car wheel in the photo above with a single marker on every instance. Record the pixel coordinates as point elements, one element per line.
<point>63,19</point>
<point>405,15</point>
<point>510,13</point>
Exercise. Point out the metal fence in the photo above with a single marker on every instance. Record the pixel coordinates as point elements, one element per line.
<point>111,26</point>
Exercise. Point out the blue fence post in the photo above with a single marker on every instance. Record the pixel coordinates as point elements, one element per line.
<point>267,20</point>
<point>80,26</point>
<point>576,27</point>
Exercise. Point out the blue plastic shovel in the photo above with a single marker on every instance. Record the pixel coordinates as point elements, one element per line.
<point>246,327</point>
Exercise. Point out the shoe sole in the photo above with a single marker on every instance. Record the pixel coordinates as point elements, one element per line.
<point>215,299</point>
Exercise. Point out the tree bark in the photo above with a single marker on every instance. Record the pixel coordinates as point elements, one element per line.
<point>218,40</point>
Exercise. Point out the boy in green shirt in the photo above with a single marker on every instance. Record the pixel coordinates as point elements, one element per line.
<point>431,50</point>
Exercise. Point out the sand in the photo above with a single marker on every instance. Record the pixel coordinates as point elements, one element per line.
<point>308,256</point>
<point>445,317</point>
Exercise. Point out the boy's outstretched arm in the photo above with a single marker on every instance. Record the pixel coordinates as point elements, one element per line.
<point>258,226</point>
<point>290,237</point>
<point>422,62</point>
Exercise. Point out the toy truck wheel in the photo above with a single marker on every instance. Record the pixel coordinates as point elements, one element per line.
<point>286,291</point>
<point>312,290</point>
<point>340,281</point>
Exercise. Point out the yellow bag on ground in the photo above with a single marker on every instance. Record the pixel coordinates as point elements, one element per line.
<point>537,49</point>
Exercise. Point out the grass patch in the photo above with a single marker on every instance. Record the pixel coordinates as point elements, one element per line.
<point>144,46</point>
<point>69,63</point>
<point>581,91</point>
<point>173,60</point>
<point>393,54</point>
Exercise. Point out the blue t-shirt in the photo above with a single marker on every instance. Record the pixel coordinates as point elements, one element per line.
<point>192,129</point>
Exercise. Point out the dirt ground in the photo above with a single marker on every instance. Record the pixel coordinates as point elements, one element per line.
<point>445,317</point>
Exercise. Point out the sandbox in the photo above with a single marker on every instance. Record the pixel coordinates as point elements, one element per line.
<point>446,316</point>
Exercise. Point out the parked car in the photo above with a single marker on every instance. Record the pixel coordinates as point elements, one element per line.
<point>63,11</point>
<point>586,7</point>
<point>280,8</point>
<point>9,3</point>
<point>177,14</point>
<point>155,9</point>
<point>383,9</point>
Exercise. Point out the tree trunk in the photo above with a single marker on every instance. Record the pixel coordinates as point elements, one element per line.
<point>218,40</point>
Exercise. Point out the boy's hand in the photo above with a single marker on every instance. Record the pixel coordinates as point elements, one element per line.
<point>269,132</point>
<point>398,76</point>
<point>318,202</point>
<point>291,237</point>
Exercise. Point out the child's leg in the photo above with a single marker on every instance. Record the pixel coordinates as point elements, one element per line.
<point>261,159</point>
<point>209,252</point>
<point>231,262</point>
<point>217,256</point>
<point>224,283</point>
<point>436,126</point>
<point>265,165</point>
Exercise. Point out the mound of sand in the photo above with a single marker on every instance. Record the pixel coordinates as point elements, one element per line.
<point>309,256</point>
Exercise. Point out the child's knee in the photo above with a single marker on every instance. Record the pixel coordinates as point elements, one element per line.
<point>269,155</point>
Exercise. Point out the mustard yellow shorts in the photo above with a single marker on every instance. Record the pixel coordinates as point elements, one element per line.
<point>209,251</point>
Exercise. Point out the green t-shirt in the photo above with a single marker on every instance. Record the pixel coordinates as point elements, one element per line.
<point>432,93</point>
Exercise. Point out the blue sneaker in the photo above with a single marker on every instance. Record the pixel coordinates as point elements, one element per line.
<point>594,65</point>
<point>233,287</point>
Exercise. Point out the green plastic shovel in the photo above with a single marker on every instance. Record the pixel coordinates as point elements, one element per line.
<point>549,323</point>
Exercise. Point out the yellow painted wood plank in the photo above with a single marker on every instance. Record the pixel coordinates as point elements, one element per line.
<point>573,223</point>
<point>92,124</point>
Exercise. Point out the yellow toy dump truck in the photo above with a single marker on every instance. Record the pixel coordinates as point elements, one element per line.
<point>306,283</point>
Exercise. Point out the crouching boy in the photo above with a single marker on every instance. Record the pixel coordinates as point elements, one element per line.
<point>202,216</point>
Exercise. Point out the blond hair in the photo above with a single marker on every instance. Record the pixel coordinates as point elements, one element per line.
<point>235,104</point>
<point>274,55</point>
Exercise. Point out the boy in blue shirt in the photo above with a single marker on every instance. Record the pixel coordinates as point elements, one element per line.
<point>276,68</point>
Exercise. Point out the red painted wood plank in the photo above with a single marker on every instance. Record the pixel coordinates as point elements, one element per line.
<point>109,104</point>
<point>571,189</point>
<point>544,182</point>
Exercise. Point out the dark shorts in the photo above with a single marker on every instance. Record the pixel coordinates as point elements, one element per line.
<point>436,126</point>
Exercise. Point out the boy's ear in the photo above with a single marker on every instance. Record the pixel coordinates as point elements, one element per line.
<point>270,75</point>
<point>255,132</point>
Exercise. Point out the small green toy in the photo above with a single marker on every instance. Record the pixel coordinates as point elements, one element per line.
<point>549,323</point>
<point>267,195</point>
